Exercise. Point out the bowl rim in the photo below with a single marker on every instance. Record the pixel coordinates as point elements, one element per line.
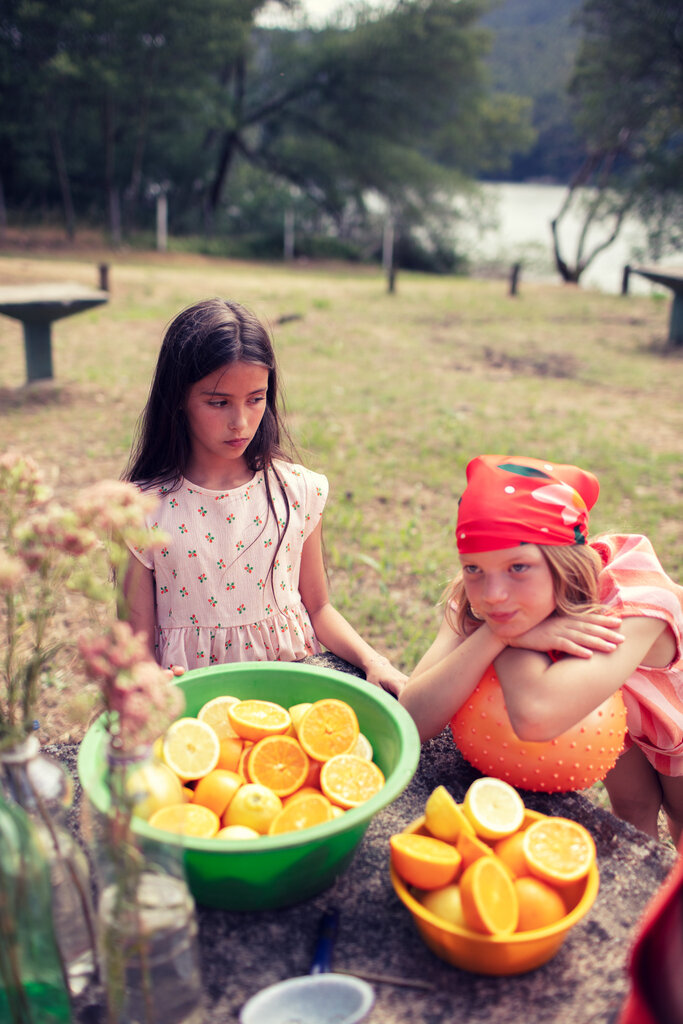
<point>356,817</point>
<point>518,938</point>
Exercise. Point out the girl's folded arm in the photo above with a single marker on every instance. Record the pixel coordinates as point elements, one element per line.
<point>446,676</point>
<point>545,698</point>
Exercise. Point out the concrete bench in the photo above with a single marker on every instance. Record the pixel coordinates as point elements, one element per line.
<point>670,277</point>
<point>37,306</point>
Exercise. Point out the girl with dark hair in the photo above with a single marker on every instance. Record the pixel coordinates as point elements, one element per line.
<point>240,575</point>
<point>543,605</point>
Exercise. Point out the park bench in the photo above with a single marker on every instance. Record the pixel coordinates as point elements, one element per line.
<point>37,306</point>
<point>670,277</point>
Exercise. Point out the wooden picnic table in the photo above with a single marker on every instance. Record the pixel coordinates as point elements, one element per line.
<point>37,306</point>
<point>670,277</point>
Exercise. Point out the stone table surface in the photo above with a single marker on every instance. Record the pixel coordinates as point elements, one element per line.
<point>585,983</point>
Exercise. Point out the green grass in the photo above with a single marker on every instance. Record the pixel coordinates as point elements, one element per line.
<point>390,396</point>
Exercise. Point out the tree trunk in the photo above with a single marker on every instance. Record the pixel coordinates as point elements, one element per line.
<point>112,195</point>
<point>62,175</point>
<point>230,141</point>
<point>3,211</point>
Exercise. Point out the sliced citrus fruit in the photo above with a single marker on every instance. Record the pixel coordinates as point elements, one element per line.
<point>471,848</point>
<point>243,763</point>
<point>187,820</point>
<point>152,786</point>
<point>191,748</point>
<point>253,719</point>
<point>445,903</point>
<point>296,713</point>
<point>254,806</point>
<point>230,751</point>
<point>444,818</point>
<point>217,789</point>
<point>363,747</point>
<point>279,763</point>
<point>303,791</point>
<point>215,714</point>
<point>328,728</point>
<point>489,900</point>
<point>558,851</point>
<point>237,832</point>
<point>348,780</point>
<point>424,861</point>
<point>539,904</point>
<point>309,810</point>
<point>510,849</point>
<point>494,808</point>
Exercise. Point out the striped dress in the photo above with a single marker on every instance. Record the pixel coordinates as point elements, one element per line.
<point>633,583</point>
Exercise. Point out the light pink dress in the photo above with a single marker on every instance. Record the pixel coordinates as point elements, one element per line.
<point>633,583</point>
<point>217,600</point>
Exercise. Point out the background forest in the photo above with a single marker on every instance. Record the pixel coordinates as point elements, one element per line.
<point>109,108</point>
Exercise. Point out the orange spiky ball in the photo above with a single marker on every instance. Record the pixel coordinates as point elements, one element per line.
<point>575,760</point>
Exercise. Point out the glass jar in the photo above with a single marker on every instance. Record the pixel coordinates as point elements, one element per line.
<point>32,981</point>
<point>43,788</point>
<point>146,916</point>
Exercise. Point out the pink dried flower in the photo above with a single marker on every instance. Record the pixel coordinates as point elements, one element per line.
<point>12,571</point>
<point>135,689</point>
<point>51,533</point>
<point>21,478</point>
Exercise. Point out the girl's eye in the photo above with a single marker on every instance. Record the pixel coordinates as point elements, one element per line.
<point>258,398</point>
<point>470,570</point>
<point>217,403</point>
<point>519,567</point>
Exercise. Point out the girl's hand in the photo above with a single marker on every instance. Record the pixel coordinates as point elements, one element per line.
<point>380,672</point>
<point>579,636</point>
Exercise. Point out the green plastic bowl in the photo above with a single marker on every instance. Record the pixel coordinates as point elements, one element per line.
<point>276,871</point>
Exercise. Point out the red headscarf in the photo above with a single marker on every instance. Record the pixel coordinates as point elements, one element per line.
<point>512,499</point>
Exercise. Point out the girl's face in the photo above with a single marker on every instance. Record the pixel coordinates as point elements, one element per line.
<point>224,410</point>
<point>511,589</point>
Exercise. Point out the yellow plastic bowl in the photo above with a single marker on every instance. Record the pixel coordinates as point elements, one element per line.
<point>493,954</point>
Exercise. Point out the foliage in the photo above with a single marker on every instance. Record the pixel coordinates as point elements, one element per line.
<point>532,55</point>
<point>127,98</point>
<point>45,550</point>
<point>628,90</point>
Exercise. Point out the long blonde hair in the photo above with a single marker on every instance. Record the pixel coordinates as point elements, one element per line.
<point>574,571</point>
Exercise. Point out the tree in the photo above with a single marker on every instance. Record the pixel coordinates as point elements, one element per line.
<point>130,94</point>
<point>628,91</point>
<point>390,102</point>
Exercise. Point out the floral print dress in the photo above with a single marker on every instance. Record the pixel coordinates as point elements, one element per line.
<point>217,600</point>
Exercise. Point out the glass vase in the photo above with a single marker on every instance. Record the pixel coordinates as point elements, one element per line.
<point>146,917</point>
<point>42,787</point>
<point>33,988</point>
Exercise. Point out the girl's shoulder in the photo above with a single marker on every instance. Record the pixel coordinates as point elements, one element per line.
<point>633,575</point>
<point>631,551</point>
<point>296,476</point>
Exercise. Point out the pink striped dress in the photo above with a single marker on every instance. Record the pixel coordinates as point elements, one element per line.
<point>633,583</point>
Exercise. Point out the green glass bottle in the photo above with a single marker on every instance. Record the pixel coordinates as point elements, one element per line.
<point>32,984</point>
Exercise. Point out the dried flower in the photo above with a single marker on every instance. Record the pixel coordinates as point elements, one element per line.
<point>136,693</point>
<point>45,549</point>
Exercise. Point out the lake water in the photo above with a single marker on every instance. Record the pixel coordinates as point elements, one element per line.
<point>522,233</point>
